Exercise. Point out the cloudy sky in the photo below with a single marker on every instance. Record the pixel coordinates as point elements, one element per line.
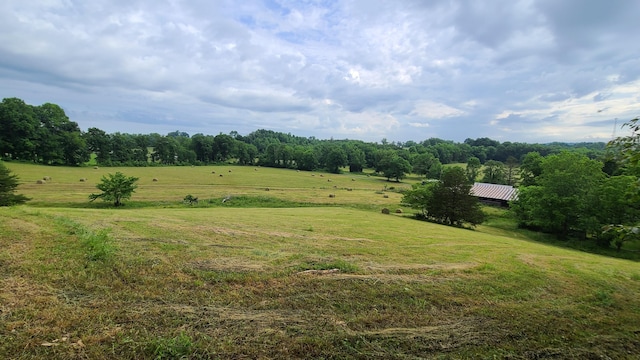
<point>512,70</point>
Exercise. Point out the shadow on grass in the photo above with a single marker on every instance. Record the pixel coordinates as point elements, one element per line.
<point>241,201</point>
<point>499,218</point>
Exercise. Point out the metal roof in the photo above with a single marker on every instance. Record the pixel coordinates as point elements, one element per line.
<point>494,191</point>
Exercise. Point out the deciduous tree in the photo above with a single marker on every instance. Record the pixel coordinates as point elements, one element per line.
<point>394,166</point>
<point>473,169</point>
<point>115,187</point>
<point>494,172</point>
<point>447,201</point>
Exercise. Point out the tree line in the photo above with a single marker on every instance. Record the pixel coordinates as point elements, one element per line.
<point>44,134</point>
<point>566,194</point>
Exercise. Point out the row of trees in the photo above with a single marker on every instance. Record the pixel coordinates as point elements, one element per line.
<point>44,134</point>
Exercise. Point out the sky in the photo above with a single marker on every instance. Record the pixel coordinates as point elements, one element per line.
<point>531,71</point>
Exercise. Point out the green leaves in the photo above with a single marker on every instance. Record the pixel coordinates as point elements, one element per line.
<point>115,187</point>
<point>447,201</point>
<point>628,147</point>
<point>565,198</point>
<point>8,184</point>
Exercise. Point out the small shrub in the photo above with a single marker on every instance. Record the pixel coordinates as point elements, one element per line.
<point>99,245</point>
<point>190,199</point>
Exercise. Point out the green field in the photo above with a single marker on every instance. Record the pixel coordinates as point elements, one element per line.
<point>290,272</point>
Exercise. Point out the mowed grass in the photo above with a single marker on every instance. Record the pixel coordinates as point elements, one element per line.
<point>176,281</point>
<point>209,183</point>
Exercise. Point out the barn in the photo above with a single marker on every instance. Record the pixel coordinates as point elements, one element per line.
<point>494,194</point>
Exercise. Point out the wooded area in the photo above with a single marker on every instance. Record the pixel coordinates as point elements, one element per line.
<point>44,134</point>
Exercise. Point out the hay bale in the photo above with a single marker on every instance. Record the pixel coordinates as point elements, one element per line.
<point>328,180</point>
<point>46,178</point>
<point>321,175</point>
<point>255,169</point>
<point>349,189</point>
<point>95,167</point>
<point>385,196</point>
<point>353,179</point>
<point>398,211</point>
<point>229,170</point>
<point>313,174</point>
<point>83,179</point>
<point>213,172</point>
<point>332,195</point>
<point>155,179</point>
<point>41,182</point>
<point>266,189</point>
<point>220,175</point>
<point>385,211</point>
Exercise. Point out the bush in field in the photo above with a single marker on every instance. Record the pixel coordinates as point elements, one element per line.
<point>8,185</point>
<point>116,187</point>
<point>190,199</point>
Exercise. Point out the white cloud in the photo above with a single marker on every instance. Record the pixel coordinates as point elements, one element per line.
<point>534,70</point>
<point>433,110</point>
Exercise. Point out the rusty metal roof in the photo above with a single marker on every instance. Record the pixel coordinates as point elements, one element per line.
<point>494,191</point>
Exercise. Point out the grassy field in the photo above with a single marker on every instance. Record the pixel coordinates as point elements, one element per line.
<point>290,273</point>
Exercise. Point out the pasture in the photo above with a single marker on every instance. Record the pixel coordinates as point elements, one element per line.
<point>313,277</point>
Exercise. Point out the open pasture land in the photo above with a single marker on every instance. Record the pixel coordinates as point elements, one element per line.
<point>208,183</point>
<point>240,282</point>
